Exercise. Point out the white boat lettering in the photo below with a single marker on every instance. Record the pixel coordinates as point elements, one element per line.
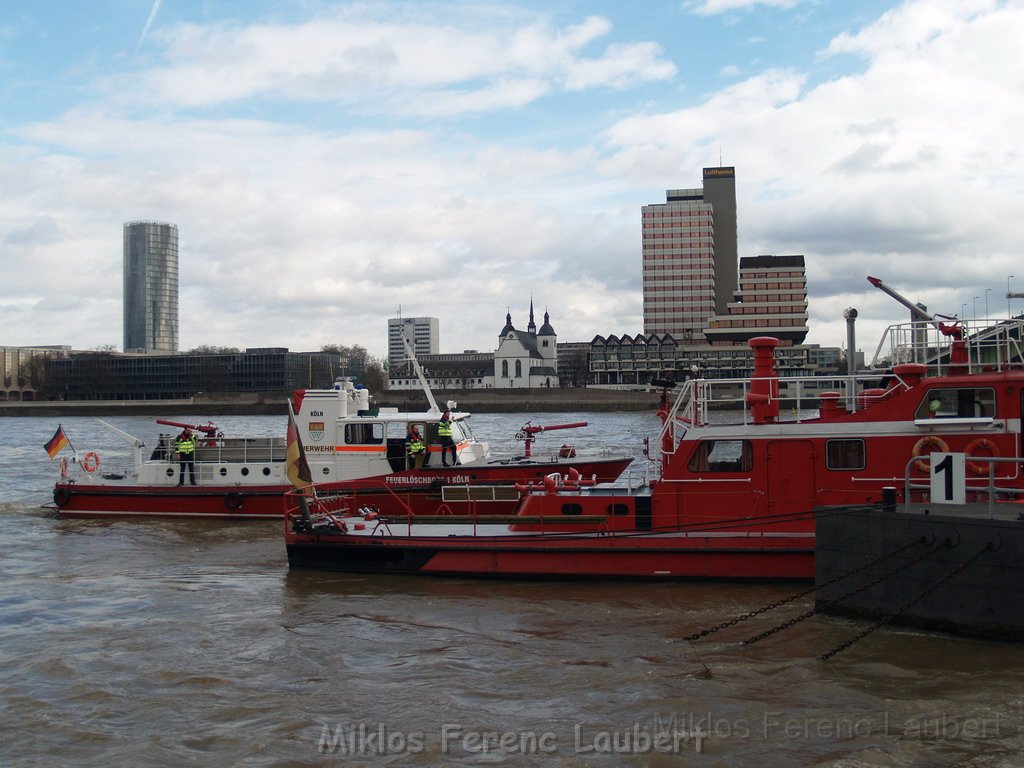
<point>420,479</point>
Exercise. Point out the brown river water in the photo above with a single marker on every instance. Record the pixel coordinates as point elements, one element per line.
<point>172,643</point>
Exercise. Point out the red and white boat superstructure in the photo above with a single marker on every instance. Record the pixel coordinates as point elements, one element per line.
<point>354,451</point>
<point>733,500</point>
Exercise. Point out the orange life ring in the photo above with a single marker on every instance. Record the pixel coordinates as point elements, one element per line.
<point>980,467</point>
<point>91,462</point>
<point>928,444</point>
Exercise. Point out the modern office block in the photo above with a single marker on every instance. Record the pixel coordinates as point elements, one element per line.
<point>689,256</point>
<point>421,332</point>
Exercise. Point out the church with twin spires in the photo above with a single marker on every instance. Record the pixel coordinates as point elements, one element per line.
<point>524,359</point>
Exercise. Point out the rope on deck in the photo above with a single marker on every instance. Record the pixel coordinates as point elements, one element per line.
<point>878,580</point>
<point>784,601</point>
<point>893,614</point>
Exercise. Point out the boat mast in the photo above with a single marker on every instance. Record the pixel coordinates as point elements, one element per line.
<point>419,375</point>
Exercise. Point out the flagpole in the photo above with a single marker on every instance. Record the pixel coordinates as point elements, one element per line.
<point>72,447</point>
<point>303,503</point>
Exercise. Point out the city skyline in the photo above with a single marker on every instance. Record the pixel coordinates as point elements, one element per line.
<point>327,163</point>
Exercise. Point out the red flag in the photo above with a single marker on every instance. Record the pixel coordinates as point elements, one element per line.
<point>295,457</point>
<point>57,443</point>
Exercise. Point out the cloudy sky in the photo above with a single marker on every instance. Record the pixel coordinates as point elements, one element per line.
<point>328,163</point>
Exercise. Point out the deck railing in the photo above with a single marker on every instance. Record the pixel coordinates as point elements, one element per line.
<point>990,345</point>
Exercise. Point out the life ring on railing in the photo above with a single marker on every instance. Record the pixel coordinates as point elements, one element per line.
<point>928,444</point>
<point>61,496</point>
<point>980,467</point>
<point>233,500</point>
<point>91,462</point>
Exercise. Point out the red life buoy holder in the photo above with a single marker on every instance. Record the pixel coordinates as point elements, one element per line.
<point>982,443</point>
<point>928,444</point>
<point>91,462</point>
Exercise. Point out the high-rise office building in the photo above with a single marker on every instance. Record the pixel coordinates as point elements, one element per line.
<point>422,333</point>
<point>689,256</point>
<point>150,286</point>
<point>771,301</point>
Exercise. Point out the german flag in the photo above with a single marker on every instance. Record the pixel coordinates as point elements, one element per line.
<point>295,458</point>
<point>57,443</point>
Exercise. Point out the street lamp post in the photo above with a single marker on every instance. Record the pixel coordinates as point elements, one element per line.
<point>974,310</point>
<point>1008,315</point>
<point>986,303</point>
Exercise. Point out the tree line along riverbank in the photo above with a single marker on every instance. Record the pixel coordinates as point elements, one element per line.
<point>272,403</point>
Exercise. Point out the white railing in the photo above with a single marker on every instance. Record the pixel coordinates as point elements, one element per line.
<point>990,345</point>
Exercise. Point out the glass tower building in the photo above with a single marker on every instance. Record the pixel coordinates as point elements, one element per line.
<point>150,286</point>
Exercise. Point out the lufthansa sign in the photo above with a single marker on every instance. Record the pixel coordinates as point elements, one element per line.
<point>713,173</point>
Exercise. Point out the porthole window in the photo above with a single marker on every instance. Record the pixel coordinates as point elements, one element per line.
<point>266,471</point>
<point>618,510</point>
<point>245,471</point>
<point>326,470</point>
<point>572,509</point>
<point>170,472</point>
<point>223,471</point>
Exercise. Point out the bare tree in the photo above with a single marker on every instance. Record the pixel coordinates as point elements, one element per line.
<point>574,369</point>
<point>210,349</point>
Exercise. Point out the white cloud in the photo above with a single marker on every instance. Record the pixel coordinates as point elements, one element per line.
<point>713,7</point>
<point>418,67</point>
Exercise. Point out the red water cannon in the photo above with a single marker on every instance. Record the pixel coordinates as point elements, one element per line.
<point>528,431</point>
<point>209,429</point>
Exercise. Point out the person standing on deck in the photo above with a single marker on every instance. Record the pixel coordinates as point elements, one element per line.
<point>415,448</point>
<point>444,431</point>
<point>186,448</point>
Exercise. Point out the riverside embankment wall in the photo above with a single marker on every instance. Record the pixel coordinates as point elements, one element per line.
<point>479,400</point>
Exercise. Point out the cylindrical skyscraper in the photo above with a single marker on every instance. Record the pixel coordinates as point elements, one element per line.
<point>150,286</point>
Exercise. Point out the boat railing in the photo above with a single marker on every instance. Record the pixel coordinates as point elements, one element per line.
<point>227,450</point>
<point>703,401</point>
<point>987,482</point>
<point>990,345</point>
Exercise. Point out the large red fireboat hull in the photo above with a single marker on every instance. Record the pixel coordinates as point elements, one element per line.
<point>420,491</point>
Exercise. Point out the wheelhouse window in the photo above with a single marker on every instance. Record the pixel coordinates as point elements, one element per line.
<point>364,434</point>
<point>723,456</point>
<point>957,402</point>
<point>844,454</point>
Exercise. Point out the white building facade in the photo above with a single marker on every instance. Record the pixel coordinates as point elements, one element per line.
<point>422,333</point>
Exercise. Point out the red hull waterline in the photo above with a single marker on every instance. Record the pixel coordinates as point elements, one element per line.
<point>604,557</point>
<point>420,491</point>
